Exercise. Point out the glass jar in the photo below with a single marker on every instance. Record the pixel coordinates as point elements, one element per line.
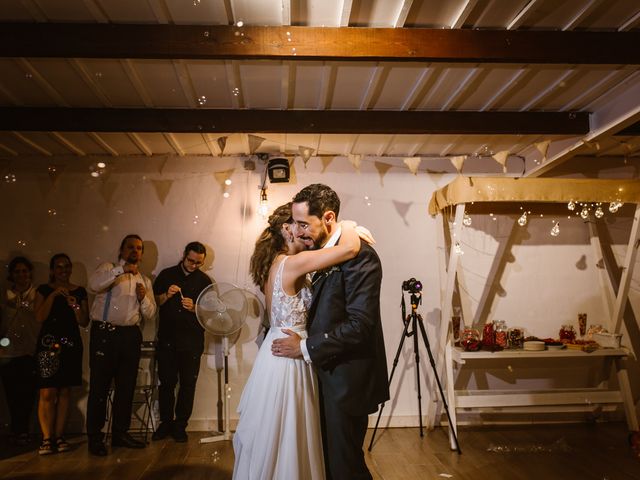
<point>567,333</point>
<point>501,333</point>
<point>488,335</point>
<point>470,339</point>
<point>516,337</point>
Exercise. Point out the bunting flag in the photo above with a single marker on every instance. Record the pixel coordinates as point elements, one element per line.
<point>413,163</point>
<point>382,168</point>
<point>222,142</point>
<point>402,208</point>
<point>458,162</point>
<point>221,177</point>
<point>306,153</point>
<point>254,143</point>
<point>162,188</point>
<point>543,147</point>
<point>355,159</point>
<point>326,161</point>
<point>501,158</point>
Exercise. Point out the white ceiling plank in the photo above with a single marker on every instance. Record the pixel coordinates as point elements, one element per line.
<point>326,87</point>
<point>586,93</point>
<point>96,10</point>
<point>549,90</point>
<point>182,72</point>
<point>581,14</point>
<point>416,90</point>
<point>460,88</point>
<point>348,145</point>
<point>445,151</point>
<point>463,14</point>
<point>160,11</point>
<point>143,147</point>
<point>512,82</point>
<point>345,13</point>
<point>34,10</point>
<point>175,144</point>
<point>629,24</point>
<point>65,142</point>
<point>10,151</point>
<point>403,12</point>
<point>288,83</point>
<point>622,111</point>
<point>211,144</point>
<point>32,144</point>
<point>286,12</point>
<point>102,142</point>
<point>15,100</point>
<point>371,87</point>
<point>384,148</point>
<point>137,82</point>
<point>235,83</point>
<point>522,15</point>
<point>42,82</point>
<point>89,80</point>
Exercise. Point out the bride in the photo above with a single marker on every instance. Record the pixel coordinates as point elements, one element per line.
<point>278,435</point>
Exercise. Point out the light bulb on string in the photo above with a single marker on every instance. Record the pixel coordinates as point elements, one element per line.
<point>571,205</point>
<point>367,200</point>
<point>522,221</point>
<point>614,206</point>
<point>466,220</point>
<point>599,213</point>
<point>555,231</point>
<point>458,249</point>
<point>263,208</point>
<point>10,178</point>
<point>584,213</point>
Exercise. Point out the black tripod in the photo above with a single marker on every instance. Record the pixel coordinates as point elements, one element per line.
<point>414,320</point>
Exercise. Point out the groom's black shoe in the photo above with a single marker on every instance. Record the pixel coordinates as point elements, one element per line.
<point>163,431</point>
<point>126,440</point>
<point>97,447</point>
<point>179,434</point>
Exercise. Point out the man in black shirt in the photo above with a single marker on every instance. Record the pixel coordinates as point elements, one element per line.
<point>180,340</point>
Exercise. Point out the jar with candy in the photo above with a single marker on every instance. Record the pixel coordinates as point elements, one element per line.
<point>488,335</point>
<point>470,339</point>
<point>567,333</point>
<point>516,338</point>
<point>501,333</point>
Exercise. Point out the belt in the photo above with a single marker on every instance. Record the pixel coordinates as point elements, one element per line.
<point>108,326</point>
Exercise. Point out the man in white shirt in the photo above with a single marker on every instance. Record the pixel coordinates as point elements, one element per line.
<point>124,298</point>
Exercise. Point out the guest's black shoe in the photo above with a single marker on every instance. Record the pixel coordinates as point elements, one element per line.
<point>126,440</point>
<point>97,448</point>
<point>179,434</point>
<point>163,431</point>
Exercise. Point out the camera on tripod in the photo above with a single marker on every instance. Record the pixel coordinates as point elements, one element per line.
<point>412,286</point>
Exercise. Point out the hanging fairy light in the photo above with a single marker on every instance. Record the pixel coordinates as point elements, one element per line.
<point>599,213</point>
<point>584,213</point>
<point>571,205</point>
<point>466,220</point>
<point>615,206</point>
<point>263,208</point>
<point>523,220</point>
<point>458,249</point>
<point>555,231</point>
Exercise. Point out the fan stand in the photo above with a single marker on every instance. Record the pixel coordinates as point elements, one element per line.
<point>226,435</point>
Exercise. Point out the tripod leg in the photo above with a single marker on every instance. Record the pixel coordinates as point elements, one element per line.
<point>435,374</point>
<point>416,352</point>
<point>405,334</point>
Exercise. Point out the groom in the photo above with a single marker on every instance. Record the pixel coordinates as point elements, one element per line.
<point>345,342</point>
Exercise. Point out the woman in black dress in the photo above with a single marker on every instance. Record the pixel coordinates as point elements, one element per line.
<point>61,306</point>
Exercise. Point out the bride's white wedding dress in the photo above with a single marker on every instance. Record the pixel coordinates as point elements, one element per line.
<point>278,435</point>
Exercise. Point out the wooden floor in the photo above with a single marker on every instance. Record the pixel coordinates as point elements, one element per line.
<point>542,452</point>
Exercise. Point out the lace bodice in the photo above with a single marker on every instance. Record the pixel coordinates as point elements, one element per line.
<point>288,310</point>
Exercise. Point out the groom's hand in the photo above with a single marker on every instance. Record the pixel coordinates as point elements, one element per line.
<point>288,346</point>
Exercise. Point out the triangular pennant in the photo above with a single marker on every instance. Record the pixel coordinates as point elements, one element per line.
<point>458,162</point>
<point>543,147</point>
<point>355,159</point>
<point>305,153</point>
<point>254,143</point>
<point>222,177</point>
<point>382,168</point>
<point>402,208</point>
<point>222,142</point>
<point>107,189</point>
<point>501,158</point>
<point>326,161</point>
<point>162,188</point>
<point>413,163</point>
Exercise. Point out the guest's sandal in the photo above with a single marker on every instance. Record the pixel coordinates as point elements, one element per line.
<point>46,447</point>
<point>62,445</point>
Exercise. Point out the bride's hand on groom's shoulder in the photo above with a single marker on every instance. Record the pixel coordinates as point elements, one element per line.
<point>363,232</point>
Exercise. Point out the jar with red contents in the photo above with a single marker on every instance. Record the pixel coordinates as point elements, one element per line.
<point>470,339</point>
<point>567,333</point>
<point>502,339</point>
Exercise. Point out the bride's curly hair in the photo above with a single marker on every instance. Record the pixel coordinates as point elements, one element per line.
<point>269,245</point>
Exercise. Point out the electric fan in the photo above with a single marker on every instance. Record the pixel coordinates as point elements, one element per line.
<point>221,309</point>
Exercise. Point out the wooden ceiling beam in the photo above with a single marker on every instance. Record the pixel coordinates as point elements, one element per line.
<point>293,121</point>
<point>317,43</point>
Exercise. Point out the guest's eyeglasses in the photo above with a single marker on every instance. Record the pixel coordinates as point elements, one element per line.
<point>195,263</point>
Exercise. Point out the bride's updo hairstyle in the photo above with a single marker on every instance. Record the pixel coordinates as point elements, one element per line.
<point>269,245</point>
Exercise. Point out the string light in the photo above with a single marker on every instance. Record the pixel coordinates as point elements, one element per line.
<point>263,208</point>
<point>555,231</point>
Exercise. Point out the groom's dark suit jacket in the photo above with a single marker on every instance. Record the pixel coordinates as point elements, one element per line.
<point>345,341</point>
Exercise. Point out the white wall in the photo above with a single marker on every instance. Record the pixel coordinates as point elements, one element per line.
<point>92,215</point>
